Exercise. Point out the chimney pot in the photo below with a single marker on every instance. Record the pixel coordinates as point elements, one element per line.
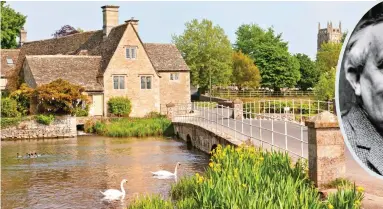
<point>133,22</point>
<point>22,36</point>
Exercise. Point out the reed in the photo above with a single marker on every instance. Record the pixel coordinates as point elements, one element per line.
<point>133,127</point>
<point>246,177</point>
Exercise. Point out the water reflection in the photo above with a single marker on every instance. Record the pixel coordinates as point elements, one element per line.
<point>72,172</point>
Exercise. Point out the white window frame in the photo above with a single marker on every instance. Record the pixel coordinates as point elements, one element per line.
<point>146,83</point>
<point>119,82</point>
<point>9,59</point>
<point>174,76</point>
<point>132,52</point>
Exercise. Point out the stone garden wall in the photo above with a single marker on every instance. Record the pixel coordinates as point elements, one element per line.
<point>62,126</point>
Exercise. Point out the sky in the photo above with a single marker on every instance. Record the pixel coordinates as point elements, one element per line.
<point>158,21</point>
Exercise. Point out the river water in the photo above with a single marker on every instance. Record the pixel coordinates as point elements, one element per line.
<point>71,172</point>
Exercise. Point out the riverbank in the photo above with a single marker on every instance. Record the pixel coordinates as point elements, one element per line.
<point>251,178</point>
<point>131,127</point>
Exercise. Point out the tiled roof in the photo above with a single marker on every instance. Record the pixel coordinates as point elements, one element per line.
<point>79,70</point>
<point>165,57</point>
<point>8,54</point>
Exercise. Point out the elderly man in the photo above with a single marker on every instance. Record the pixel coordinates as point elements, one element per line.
<point>363,66</point>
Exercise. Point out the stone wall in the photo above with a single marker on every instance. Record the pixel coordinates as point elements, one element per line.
<point>143,100</point>
<point>62,126</point>
<point>200,138</point>
<point>175,91</point>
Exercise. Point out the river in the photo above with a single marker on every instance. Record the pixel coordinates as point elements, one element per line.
<point>71,172</point>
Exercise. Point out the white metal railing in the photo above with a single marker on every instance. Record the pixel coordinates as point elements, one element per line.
<point>269,132</point>
<point>259,93</point>
<point>295,110</point>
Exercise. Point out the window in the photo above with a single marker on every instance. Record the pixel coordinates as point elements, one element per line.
<point>146,82</point>
<point>9,61</point>
<point>119,82</point>
<point>131,52</point>
<point>174,76</point>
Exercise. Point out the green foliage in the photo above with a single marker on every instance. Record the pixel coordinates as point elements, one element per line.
<point>6,122</point>
<point>154,115</point>
<point>309,72</point>
<point>207,51</point>
<point>11,24</point>
<point>23,97</point>
<point>325,88</point>
<point>346,197</point>
<point>9,108</point>
<point>45,119</point>
<point>138,127</point>
<point>120,106</point>
<point>81,112</point>
<point>206,104</point>
<point>247,177</point>
<point>245,72</point>
<point>327,57</point>
<point>60,97</point>
<point>149,202</point>
<point>277,67</point>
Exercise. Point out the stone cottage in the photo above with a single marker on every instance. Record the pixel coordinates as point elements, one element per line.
<point>110,62</point>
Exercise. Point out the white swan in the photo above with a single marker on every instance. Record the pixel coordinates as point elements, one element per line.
<point>163,173</point>
<point>114,193</point>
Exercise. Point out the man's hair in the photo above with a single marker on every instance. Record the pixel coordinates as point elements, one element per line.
<point>373,17</point>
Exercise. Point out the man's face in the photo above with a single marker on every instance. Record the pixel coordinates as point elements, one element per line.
<point>368,49</point>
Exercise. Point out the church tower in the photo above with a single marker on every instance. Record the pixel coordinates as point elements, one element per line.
<point>329,34</point>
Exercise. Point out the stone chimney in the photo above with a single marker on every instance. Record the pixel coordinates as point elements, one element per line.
<point>110,18</point>
<point>134,23</point>
<point>22,37</point>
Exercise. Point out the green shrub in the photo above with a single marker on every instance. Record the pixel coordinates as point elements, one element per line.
<point>89,126</point>
<point>119,106</point>
<point>81,112</point>
<point>45,119</point>
<point>247,177</point>
<point>9,108</point>
<point>23,97</point>
<point>6,122</point>
<point>137,127</point>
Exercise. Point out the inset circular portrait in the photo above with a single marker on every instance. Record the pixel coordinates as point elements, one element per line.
<point>359,91</point>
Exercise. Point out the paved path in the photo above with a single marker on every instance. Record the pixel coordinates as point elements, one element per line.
<point>294,132</point>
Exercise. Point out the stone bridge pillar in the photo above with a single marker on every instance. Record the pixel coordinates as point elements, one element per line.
<point>170,110</point>
<point>238,109</point>
<point>326,154</point>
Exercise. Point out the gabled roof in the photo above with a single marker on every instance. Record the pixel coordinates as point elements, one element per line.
<point>77,69</point>
<point>165,57</point>
<point>12,54</point>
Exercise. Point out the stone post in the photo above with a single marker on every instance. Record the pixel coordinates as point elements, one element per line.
<point>169,110</point>
<point>238,109</point>
<point>326,153</point>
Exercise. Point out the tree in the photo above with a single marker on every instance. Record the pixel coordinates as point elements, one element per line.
<point>325,88</point>
<point>60,97</point>
<point>308,70</point>
<point>207,51</point>
<point>11,24</point>
<point>245,72</point>
<point>277,67</point>
<point>327,56</point>
<point>64,31</point>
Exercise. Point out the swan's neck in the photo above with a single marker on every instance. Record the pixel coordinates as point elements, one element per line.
<point>175,170</point>
<point>122,188</point>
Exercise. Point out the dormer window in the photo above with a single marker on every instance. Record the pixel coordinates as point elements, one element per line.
<point>9,61</point>
<point>131,52</point>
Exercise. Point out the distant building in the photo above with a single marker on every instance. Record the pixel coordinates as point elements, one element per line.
<point>329,34</point>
